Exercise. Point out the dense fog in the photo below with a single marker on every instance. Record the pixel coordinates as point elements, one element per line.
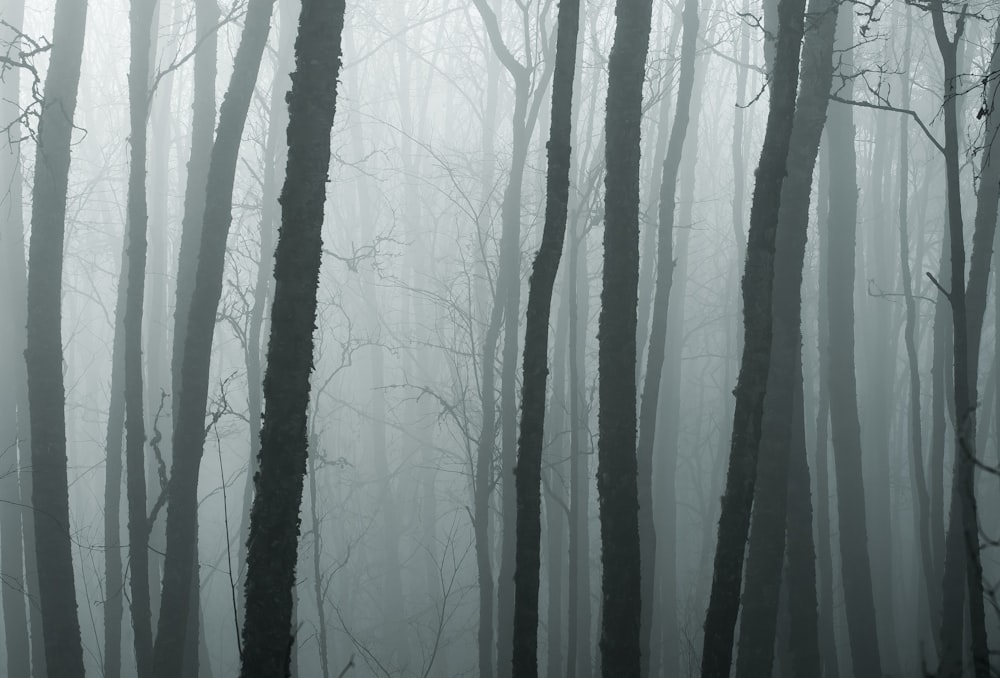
<point>741,414</point>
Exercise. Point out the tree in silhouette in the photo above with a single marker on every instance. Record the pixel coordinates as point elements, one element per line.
<point>272,548</point>
<point>758,277</point>
<point>528,472</point>
<point>617,485</point>
<point>44,353</point>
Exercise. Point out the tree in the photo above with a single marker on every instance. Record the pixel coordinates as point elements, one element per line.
<point>44,353</point>
<point>617,484</point>
<point>751,385</point>
<point>274,520</point>
<point>529,453</point>
<point>140,23</point>
<point>782,420</point>
<point>649,410</point>
<point>846,428</point>
<point>180,563</point>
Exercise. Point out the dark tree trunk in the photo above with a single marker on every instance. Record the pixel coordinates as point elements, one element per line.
<point>780,429</point>
<point>962,564</point>
<point>140,22</point>
<point>856,568</point>
<point>44,354</point>
<point>274,521</point>
<point>529,452</point>
<point>273,175</point>
<point>649,408</point>
<point>751,386</point>
<point>180,574</point>
<point>617,485</point>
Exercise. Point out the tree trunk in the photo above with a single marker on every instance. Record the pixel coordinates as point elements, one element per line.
<point>180,565</point>
<point>140,23</point>
<point>780,430</point>
<point>921,498</point>
<point>44,354</point>
<point>12,543</point>
<point>658,332</point>
<point>535,366</point>
<point>274,522</point>
<point>861,626</point>
<point>751,385</point>
<point>617,483</point>
<point>962,565</point>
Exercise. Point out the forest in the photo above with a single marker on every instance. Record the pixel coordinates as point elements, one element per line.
<point>499,338</point>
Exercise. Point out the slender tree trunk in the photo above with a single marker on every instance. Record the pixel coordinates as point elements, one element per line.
<point>274,522</point>
<point>140,24</point>
<point>535,365</point>
<point>12,589</point>
<point>962,565</point>
<point>180,566</point>
<point>617,484</point>
<point>861,621</point>
<point>658,332</point>
<point>751,386</point>
<point>780,432</point>
<point>44,354</point>
<point>12,513</point>
<point>921,498</point>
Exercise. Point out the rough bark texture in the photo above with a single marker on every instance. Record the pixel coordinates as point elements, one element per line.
<point>180,564</point>
<point>846,428</point>
<point>529,453</point>
<point>616,473</point>
<point>779,438</point>
<point>734,521</point>
<point>274,521</point>
<point>649,408</point>
<point>44,355</point>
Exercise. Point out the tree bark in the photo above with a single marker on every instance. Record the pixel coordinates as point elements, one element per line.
<point>752,382</point>
<point>616,474</point>
<point>44,354</point>
<point>780,440</point>
<point>649,408</point>
<point>180,565</point>
<point>274,522</point>
<point>861,626</point>
<point>535,366</point>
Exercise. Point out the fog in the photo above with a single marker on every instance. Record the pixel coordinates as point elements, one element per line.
<point>729,428</point>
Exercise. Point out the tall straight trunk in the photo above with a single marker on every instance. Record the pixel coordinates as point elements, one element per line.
<point>658,332</point>
<point>274,522</point>
<point>12,544</point>
<point>617,484</point>
<point>535,366</point>
<point>751,386</point>
<point>962,565</point>
<point>780,430</point>
<point>180,565</point>
<point>921,498</point>
<point>202,134</point>
<point>12,590</point>
<point>44,353</point>
<point>140,24</point>
<point>803,635</point>
<point>843,217</point>
<point>275,152</point>
<point>578,631</point>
